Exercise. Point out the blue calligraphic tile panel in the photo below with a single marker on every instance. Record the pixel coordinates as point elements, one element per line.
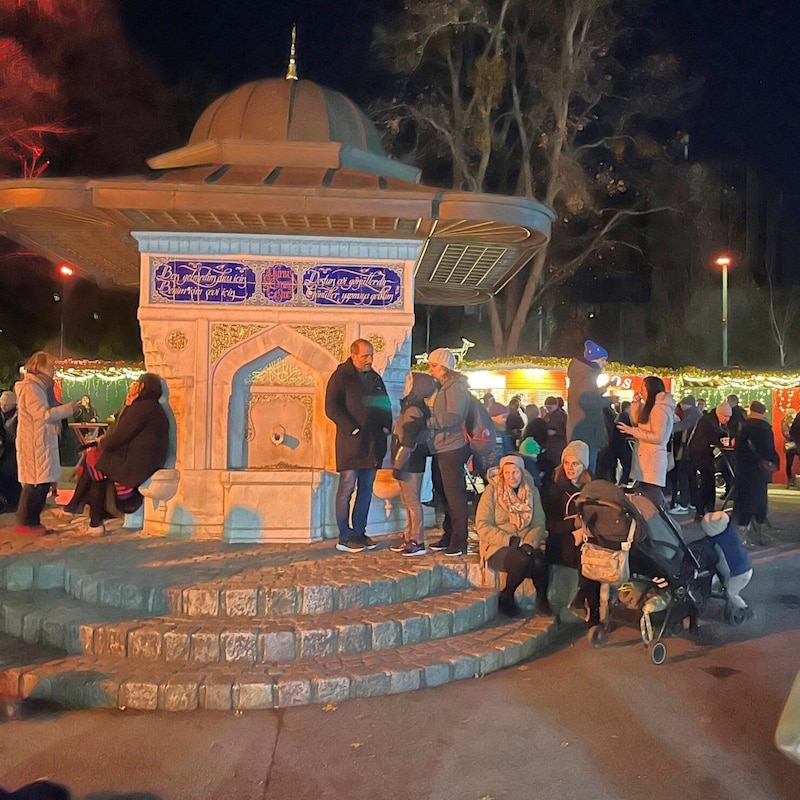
<point>203,282</point>
<point>351,286</point>
<point>271,283</point>
<point>279,284</point>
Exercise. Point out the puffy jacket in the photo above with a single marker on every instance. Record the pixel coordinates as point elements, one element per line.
<point>653,436</point>
<point>448,414</point>
<point>494,527</point>
<point>38,427</point>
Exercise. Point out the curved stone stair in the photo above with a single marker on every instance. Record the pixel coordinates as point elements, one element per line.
<point>308,629</point>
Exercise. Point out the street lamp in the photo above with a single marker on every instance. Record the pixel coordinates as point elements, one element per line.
<point>65,272</point>
<point>724,262</point>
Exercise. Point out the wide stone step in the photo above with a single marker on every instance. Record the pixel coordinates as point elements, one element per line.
<point>94,681</point>
<point>287,638</point>
<point>310,587</point>
<point>52,617</point>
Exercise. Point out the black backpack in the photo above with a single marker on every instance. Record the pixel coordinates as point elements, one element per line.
<point>479,429</point>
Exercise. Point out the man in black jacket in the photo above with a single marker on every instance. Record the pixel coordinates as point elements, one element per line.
<point>357,402</point>
<point>708,434</point>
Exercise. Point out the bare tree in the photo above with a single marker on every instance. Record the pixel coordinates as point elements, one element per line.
<point>534,99</point>
<point>30,111</point>
<point>782,307</point>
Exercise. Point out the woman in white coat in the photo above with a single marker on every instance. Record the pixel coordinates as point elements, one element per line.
<point>653,416</point>
<point>38,425</point>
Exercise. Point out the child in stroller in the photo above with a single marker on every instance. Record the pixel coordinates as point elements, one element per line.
<point>656,582</point>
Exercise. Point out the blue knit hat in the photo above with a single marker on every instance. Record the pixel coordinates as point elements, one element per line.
<point>592,351</point>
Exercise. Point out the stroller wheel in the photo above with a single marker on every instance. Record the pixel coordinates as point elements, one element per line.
<point>676,629</point>
<point>735,616</point>
<point>658,653</point>
<point>597,636</point>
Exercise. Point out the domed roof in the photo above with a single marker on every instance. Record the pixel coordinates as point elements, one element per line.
<point>280,110</point>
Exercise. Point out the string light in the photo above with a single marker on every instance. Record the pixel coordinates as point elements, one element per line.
<point>99,370</point>
<point>691,376</point>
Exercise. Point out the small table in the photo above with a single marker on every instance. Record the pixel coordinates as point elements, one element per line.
<point>86,432</point>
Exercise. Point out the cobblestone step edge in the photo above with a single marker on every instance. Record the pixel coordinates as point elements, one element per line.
<point>85,682</point>
<point>45,618</point>
<point>394,581</point>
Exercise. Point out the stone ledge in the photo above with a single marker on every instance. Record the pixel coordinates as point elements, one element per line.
<point>84,682</point>
<point>289,638</point>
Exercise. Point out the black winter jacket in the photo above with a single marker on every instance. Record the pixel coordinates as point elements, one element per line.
<point>137,446</point>
<point>561,548</point>
<point>353,405</point>
<point>759,432</point>
<point>706,436</point>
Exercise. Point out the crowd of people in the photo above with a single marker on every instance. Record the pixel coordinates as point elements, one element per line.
<point>112,467</point>
<point>668,451</point>
<point>671,452</point>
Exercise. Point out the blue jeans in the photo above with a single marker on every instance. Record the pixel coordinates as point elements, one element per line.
<point>360,481</point>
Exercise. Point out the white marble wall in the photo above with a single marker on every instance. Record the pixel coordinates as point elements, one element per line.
<point>200,347</point>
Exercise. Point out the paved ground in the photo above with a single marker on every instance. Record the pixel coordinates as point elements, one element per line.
<point>575,722</point>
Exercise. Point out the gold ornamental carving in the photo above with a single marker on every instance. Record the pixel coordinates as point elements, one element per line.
<point>378,342</point>
<point>177,340</point>
<point>225,335</point>
<point>306,400</point>
<point>281,372</point>
<point>328,337</point>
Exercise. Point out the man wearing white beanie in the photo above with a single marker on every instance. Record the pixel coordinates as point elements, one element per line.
<point>450,448</point>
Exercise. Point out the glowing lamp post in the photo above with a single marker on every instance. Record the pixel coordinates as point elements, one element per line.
<point>65,272</point>
<point>724,262</point>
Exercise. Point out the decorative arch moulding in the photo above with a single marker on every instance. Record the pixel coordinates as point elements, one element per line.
<point>225,335</point>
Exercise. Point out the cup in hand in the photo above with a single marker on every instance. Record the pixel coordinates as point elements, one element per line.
<point>726,442</point>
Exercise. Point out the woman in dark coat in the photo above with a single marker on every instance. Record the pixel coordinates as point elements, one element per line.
<point>755,444</point>
<point>563,548</point>
<point>127,456</point>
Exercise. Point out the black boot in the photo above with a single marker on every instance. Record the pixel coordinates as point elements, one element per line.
<point>507,605</point>
<point>542,606</point>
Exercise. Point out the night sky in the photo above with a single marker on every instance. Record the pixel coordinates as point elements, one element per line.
<point>746,50</point>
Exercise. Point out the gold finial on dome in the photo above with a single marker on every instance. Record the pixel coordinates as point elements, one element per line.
<point>291,72</point>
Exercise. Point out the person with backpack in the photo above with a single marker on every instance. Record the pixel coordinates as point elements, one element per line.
<point>409,453</point>
<point>450,447</point>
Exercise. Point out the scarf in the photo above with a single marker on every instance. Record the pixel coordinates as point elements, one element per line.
<point>518,503</point>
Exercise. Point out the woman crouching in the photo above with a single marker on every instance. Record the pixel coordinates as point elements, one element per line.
<point>510,524</point>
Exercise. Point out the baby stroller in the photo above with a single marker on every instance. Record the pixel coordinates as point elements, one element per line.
<point>636,550</point>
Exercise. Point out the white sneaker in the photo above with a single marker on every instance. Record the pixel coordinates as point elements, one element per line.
<point>96,530</point>
<point>679,510</point>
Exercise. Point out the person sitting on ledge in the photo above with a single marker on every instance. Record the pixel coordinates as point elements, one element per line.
<point>122,460</point>
<point>510,525</point>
